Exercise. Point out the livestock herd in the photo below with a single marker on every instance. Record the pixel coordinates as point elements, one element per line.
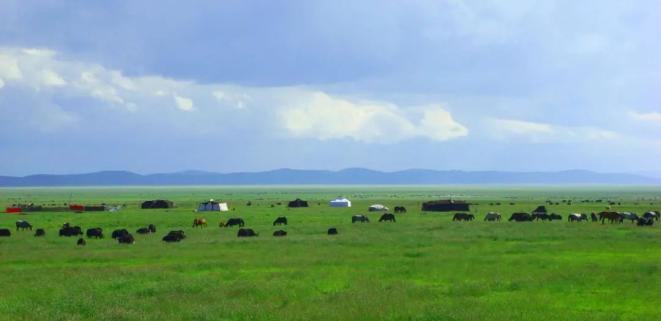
<point>123,236</point>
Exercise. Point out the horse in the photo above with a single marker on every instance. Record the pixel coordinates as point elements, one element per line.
<point>611,217</point>
<point>492,217</point>
<point>463,217</point>
<point>23,225</point>
<point>643,221</point>
<point>629,216</point>
<point>200,222</point>
<point>360,218</point>
<point>555,217</point>
<point>651,215</point>
<point>235,221</point>
<point>594,217</point>
<point>576,217</point>
<point>541,216</point>
<point>387,217</point>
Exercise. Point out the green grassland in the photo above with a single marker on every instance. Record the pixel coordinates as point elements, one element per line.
<point>424,267</point>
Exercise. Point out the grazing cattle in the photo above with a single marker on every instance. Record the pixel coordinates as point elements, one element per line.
<point>332,231</point>
<point>652,215</point>
<point>95,233</point>
<point>126,239</point>
<point>612,217</point>
<point>235,222</point>
<point>280,221</point>
<point>387,217</point>
<point>5,232</point>
<point>594,217</point>
<point>118,233</point>
<point>71,231</point>
<point>23,225</point>
<point>577,217</point>
<point>174,236</point>
<point>40,232</point>
<point>246,232</point>
<point>521,217</point>
<point>492,217</point>
<point>555,217</point>
<point>81,242</point>
<point>629,216</point>
<point>279,233</point>
<point>400,209</point>
<point>360,218</point>
<point>463,217</point>
<point>143,230</point>
<point>540,216</point>
<point>643,221</point>
<point>201,222</point>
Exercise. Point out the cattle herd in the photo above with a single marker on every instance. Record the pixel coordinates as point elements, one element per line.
<point>123,236</point>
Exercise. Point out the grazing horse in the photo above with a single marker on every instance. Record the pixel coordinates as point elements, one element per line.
<point>201,222</point>
<point>555,217</point>
<point>388,217</point>
<point>360,218</point>
<point>23,225</point>
<point>174,236</point>
<point>521,217</point>
<point>576,217</point>
<point>40,232</point>
<point>280,233</point>
<point>95,233</point>
<point>629,216</point>
<point>643,221</point>
<point>246,232</point>
<point>235,221</point>
<point>5,232</point>
<point>280,221</point>
<point>611,217</point>
<point>594,217</point>
<point>400,209</point>
<point>541,216</point>
<point>492,217</point>
<point>332,231</point>
<point>651,215</point>
<point>463,217</point>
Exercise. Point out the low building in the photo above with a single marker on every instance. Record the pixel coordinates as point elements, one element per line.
<point>340,202</point>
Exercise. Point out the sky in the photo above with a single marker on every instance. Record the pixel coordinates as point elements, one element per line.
<point>226,86</point>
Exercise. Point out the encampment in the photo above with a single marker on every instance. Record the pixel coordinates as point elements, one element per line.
<point>340,202</point>
<point>212,206</point>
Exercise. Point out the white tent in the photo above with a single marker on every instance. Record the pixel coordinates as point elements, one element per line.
<point>340,202</point>
<point>212,206</point>
<point>377,207</point>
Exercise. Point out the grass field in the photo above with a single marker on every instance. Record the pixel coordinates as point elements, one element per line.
<point>424,267</point>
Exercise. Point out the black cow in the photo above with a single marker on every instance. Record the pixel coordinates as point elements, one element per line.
<point>332,231</point>
<point>246,232</point>
<point>5,232</point>
<point>280,220</point>
<point>40,232</point>
<point>555,217</point>
<point>95,233</point>
<point>651,215</point>
<point>81,242</point>
<point>463,217</point>
<point>642,221</point>
<point>126,239</point>
<point>521,217</point>
<point>541,216</point>
<point>360,218</point>
<point>280,233</point>
<point>400,209</point>
<point>71,231</point>
<point>387,217</point>
<point>23,225</point>
<point>117,233</point>
<point>143,230</point>
<point>235,221</point>
<point>174,236</point>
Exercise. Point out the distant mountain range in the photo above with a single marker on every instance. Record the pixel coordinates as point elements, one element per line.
<point>346,176</point>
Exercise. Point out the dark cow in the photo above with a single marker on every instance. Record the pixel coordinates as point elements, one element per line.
<point>555,217</point>
<point>280,221</point>
<point>332,231</point>
<point>521,217</point>
<point>246,232</point>
<point>95,233</point>
<point>642,221</point>
<point>652,215</point>
<point>174,236</point>
<point>126,239</point>
<point>387,217</point>
<point>81,242</point>
<point>200,222</point>
<point>5,232</point>
<point>541,216</point>
<point>463,217</point>
<point>143,230</point>
<point>594,217</point>
<point>40,232</point>
<point>119,232</point>
<point>23,225</point>
<point>279,233</point>
<point>629,216</point>
<point>400,209</point>
<point>235,222</point>
<point>360,218</point>
<point>71,231</point>
<point>612,217</point>
<point>492,217</point>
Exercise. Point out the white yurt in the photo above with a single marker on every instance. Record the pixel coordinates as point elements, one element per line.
<point>377,207</point>
<point>340,202</point>
<point>212,206</point>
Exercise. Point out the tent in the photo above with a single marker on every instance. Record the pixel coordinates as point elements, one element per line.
<point>340,202</point>
<point>377,208</point>
<point>446,206</point>
<point>298,203</point>
<point>157,204</point>
<point>212,206</point>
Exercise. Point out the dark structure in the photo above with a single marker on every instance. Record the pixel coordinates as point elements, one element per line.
<point>446,206</point>
<point>157,204</point>
<point>298,203</point>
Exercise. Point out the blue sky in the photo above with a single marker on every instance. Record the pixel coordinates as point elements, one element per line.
<point>159,86</point>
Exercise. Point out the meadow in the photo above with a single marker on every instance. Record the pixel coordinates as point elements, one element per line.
<point>423,267</point>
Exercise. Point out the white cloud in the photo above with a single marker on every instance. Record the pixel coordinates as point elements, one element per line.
<point>183,103</point>
<point>236,100</point>
<point>9,68</point>
<point>651,116</point>
<point>52,79</point>
<point>320,116</point>
<point>535,132</point>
